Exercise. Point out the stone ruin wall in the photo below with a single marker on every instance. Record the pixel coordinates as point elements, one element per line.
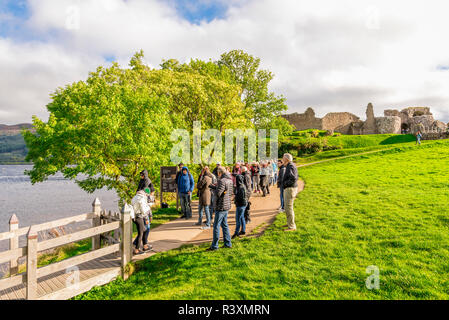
<point>394,121</point>
<point>339,122</point>
<point>304,121</point>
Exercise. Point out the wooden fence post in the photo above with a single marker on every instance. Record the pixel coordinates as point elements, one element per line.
<point>31,272</point>
<point>126,246</point>
<point>13,244</point>
<point>96,222</point>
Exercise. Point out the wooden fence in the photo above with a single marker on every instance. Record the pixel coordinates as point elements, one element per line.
<point>113,229</point>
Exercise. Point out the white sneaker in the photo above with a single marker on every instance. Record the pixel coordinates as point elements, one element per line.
<point>281,210</point>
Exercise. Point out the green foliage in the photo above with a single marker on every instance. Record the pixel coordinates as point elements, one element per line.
<point>103,131</point>
<point>263,107</point>
<point>388,210</point>
<point>108,128</point>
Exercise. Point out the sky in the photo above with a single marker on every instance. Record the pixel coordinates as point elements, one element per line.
<point>329,55</point>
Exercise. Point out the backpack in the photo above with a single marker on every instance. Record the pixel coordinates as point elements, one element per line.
<point>240,196</point>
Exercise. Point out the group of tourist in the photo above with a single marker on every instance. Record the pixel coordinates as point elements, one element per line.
<point>217,189</point>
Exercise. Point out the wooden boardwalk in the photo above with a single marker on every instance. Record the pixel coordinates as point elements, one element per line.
<point>59,285</point>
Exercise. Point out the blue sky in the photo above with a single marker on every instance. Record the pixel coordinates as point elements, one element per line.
<point>194,11</point>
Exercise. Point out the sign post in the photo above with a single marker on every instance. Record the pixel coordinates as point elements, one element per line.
<point>168,182</point>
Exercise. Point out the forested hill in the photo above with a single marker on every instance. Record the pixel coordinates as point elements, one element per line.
<point>12,144</point>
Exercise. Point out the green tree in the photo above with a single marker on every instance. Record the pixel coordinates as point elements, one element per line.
<point>262,106</point>
<point>102,132</point>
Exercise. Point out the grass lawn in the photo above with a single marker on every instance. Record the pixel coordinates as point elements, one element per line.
<point>389,210</point>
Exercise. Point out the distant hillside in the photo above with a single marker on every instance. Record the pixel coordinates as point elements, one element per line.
<point>13,129</point>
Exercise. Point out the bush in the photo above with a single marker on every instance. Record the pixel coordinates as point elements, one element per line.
<point>315,133</point>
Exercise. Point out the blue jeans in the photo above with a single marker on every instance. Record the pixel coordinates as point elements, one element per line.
<point>200,212</point>
<point>282,197</point>
<point>186,209</point>
<point>240,220</point>
<point>221,220</point>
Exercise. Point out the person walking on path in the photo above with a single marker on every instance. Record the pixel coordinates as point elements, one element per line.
<point>264,174</point>
<point>290,185</point>
<point>279,184</point>
<point>223,193</point>
<point>418,137</point>
<point>185,188</point>
<point>247,177</point>
<point>241,202</point>
<point>204,195</point>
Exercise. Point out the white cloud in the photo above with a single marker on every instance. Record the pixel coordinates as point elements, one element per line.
<point>334,56</point>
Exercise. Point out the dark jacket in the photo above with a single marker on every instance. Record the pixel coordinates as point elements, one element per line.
<point>281,176</point>
<point>215,172</point>
<point>223,193</point>
<point>247,177</point>
<point>290,177</point>
<point>145,182</point>
<point>240,199</point>
<point>185,182</point>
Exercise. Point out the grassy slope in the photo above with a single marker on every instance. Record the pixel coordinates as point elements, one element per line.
<point>350,144</point>
<point>388,210</point>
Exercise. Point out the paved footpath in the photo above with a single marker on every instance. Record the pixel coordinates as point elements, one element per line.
<point>176,233</point>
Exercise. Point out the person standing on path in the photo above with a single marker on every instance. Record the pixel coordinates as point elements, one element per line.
<point>142,213</point>
<point>275,171</point>
<point>255,176</point>
<point>145,184</point>
<point>185,188</point>
<point>241,202</point>
<point>264,174</point>
<point>247,177</point>
<point>290,185</point>
<point>204,195</point>
<point>214,172</point>
<point>279,184</point>
<point>418,137</point>
<point>223,193</point>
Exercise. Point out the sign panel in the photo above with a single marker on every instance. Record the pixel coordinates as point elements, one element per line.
<point>168,179</point>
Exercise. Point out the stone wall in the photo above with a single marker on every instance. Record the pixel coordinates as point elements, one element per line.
<point>369,127</point>
<point>304,121</point>
<point>410,119</point>
<point>390,124</point>
<point>339,121</point>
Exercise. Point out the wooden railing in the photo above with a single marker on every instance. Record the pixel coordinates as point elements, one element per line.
<point>116,229</point>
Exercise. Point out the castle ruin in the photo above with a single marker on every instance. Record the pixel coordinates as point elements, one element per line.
<point>408,120</point>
